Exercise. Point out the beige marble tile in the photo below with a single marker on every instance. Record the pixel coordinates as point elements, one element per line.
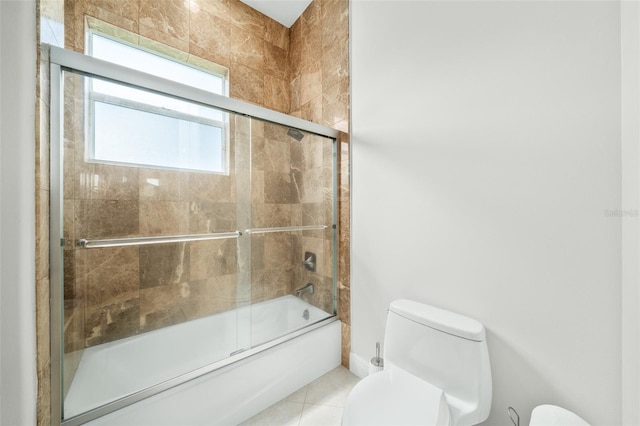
<point>344,307</point>
<point>42,147</point>
<point>343,126</point>
<point>164,218</point>
<point>295,48</point>
<point>312,110</point>
<point>314,214</point>
<point>257,252</point>
<point>312,186</point>
<point>275,132</point>
<point>206,297</point>
<point>335,103</point>
<point>257,187</point>
<point>335,22</point>
<point>164,264</point>
<point>205,217</point>
<point>170,17</point>
<point>125,8</point>
<point>311,46</point>
<point>346,344</point>
<point>276,94</point>
<point>42,323</point>
<point>275,282</point>
<point>278,250</point>
<point>246,18</point>
<point>42,234</point>
<point>246,83</point>
<point>52,9</point>
<point>110,15</point>
<point>105,182</point>
<point>71,31</point>
<point>209,259</point>
<point>220,56</point>
<point>164,38</point>
<point>107,273</point>
<point>294,93</point>
<point>277,156</point>
<point>44,398</point>
<point>312,14</point>
<point>159,307</point>
<point>105,218</point>
<point>211,188</point>
<point>335,63</point>
<point>276,61</point>
<point>308,153</point>
<point>277,188</point>
<point>69,278</point>
<point>162,185</point>
<point>117,319</point>
<point>216,8</point>
<point>276,34</point>
<point>247,48</point>
<point>212,35</point>
<point>311,82</point>
<point>271,215</point>
<point>296,214</point>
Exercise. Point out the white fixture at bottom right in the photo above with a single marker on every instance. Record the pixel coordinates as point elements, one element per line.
<point>436,372</point>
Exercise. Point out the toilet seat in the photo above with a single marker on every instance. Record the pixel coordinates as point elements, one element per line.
<point>395,397</point>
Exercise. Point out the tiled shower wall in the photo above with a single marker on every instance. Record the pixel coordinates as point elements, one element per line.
<point>319,64</point>
<point>302,71</point>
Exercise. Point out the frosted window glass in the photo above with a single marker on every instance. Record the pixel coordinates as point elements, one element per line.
<point>127,135</point>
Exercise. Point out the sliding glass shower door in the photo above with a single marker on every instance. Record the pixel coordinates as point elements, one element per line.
<point>152,201</point>
<point>185,236</point>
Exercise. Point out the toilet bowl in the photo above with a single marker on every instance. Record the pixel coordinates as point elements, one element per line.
<point>552,415</point>
<point>395,397</point>
<point>436,372</point>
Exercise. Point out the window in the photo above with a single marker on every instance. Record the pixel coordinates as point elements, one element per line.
<point>135,127</point>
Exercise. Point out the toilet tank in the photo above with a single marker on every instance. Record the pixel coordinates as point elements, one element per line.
<point>445,349</point>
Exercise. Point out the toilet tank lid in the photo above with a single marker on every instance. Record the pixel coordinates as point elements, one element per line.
<point>437,318</point>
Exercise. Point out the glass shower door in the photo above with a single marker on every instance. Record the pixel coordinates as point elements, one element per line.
<point>153,192</point>
<point>292,232</point>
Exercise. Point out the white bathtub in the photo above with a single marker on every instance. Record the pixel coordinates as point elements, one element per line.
<point>228,395</point>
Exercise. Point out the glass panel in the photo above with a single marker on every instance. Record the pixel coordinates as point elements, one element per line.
<point>127,135</point>
<point>138,315</point>
<point>145,312</point>
<point>292,176</point>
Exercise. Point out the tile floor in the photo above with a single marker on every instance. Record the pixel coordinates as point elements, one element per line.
<point>320,403</point>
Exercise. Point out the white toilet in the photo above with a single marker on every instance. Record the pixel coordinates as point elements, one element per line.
<point>436,372</point>
<point>552,415</point>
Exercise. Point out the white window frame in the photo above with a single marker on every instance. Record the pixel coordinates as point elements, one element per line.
<point>91,97</point>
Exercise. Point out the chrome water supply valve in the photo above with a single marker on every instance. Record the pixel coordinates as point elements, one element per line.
<point>377,363</point>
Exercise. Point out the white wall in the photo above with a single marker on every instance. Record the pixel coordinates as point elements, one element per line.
<point>630,31</point>
<point>486,157</point>
<point>17,212</point>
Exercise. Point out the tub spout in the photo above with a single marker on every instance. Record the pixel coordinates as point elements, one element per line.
<point>306,289</point>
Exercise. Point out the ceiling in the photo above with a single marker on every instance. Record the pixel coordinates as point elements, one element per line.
<point>284,11</point>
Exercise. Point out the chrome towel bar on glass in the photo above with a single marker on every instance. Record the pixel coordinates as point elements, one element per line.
<point>133,241</point>
<point>285,229</point>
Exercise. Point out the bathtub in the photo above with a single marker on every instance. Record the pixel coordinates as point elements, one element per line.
<point>290,343</point>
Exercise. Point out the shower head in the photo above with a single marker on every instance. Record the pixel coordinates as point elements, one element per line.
<point>296,134</point>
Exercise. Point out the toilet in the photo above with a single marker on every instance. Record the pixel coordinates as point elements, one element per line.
<point>436,372</point>
<point>552,415</point>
